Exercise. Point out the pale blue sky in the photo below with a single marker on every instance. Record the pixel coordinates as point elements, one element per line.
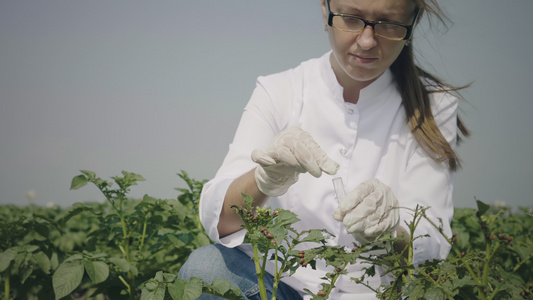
<point>155,87</point>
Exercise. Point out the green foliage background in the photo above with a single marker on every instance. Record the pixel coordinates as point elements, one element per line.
<point>116,249</point>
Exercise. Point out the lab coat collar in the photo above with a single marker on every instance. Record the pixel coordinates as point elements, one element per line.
<point>368,96</point>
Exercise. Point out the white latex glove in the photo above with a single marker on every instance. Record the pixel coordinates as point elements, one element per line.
<point>292,152</point>
<point>369,211</point>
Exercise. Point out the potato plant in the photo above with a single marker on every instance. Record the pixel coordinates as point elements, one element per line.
<point>497,265</point>
<point>98,250</point>
<point>133,248</point>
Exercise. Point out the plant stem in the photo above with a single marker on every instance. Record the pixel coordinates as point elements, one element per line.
<point>496,290</point>
<point>124,282</point>
<point>458,254</point>
<point>144,232</point>
<point>126,245</point>
<point>260,275</point>
<point>334,280</point>
<point>7,284</point>
<point>277,276</point>
<point>522,262</point>
<point>412,227</point>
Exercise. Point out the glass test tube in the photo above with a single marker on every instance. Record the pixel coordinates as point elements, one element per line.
<point>338,185</point>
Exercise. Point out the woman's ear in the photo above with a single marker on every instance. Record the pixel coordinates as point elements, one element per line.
<point>324,12</point>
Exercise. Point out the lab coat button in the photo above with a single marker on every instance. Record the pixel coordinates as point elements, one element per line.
<point>350,111</point>
<point>343,151</point>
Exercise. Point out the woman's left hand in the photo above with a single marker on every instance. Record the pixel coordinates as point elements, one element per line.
<point>369,211</point>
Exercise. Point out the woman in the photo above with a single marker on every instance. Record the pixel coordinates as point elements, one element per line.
<point>362,112</point>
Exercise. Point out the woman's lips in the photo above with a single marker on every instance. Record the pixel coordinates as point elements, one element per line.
<point>363,59</point>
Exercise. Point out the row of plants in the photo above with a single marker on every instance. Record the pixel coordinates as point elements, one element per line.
<point>133,249</point>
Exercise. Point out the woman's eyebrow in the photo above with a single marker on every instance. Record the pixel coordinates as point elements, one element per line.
<point>393,15</point>
<point>349,10</point>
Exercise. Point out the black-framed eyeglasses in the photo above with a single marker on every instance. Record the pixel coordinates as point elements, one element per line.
<point>389,30</point>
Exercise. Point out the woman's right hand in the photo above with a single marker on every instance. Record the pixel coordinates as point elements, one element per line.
<point>292,152</point>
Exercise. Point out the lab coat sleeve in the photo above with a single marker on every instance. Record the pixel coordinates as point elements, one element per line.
<point>263,117</point>
<point>427,183</point>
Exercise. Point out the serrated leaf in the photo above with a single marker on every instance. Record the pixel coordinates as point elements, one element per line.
<point>98,270</point>
<point>285,218</point>
<point>78,182</point>
<point>465,281</point>
<point>414,290</point>
<point>279,233</point>
<point>313,236</point>
<point>248,201</point>
<point>434,294</point>
<point>67,278</point>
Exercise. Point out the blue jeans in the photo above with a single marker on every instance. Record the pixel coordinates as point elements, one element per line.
<point>216,261</point>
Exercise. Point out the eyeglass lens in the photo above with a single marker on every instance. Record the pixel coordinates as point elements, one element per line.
<point>354,24</point>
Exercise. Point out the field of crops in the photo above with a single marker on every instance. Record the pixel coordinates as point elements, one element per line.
<point>133,249</point>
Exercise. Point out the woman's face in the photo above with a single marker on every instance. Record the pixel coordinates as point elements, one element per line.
<point>359,58</point>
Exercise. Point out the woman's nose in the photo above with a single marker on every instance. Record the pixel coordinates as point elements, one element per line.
<point>367,38</point>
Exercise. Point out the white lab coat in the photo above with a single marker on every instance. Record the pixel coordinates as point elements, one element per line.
<point>369,139</point>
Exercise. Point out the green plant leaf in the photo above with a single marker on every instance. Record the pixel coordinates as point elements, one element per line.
<point>285,217</point>
<point>313,236</point>
<point>78,182</point>
<point>90,174</point>
<point>221,286</point>
<point>98,270</point>
<point>43,261</point>
<point>6,258</point>
<point>193,289</point>
<point>482,207</point>
<point>155,291</point>
<point>67,277</point>
<point>177,289</point>
<point>434,294</point>
<point>202,239</point>
<point>186,290</point>
<point>121,263</point>
<point>30,248</point>
<point>176,241</point>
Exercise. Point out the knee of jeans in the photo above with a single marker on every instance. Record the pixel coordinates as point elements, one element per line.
<point>197,264</point>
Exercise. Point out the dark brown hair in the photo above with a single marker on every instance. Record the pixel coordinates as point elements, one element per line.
<point>411,81</point>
